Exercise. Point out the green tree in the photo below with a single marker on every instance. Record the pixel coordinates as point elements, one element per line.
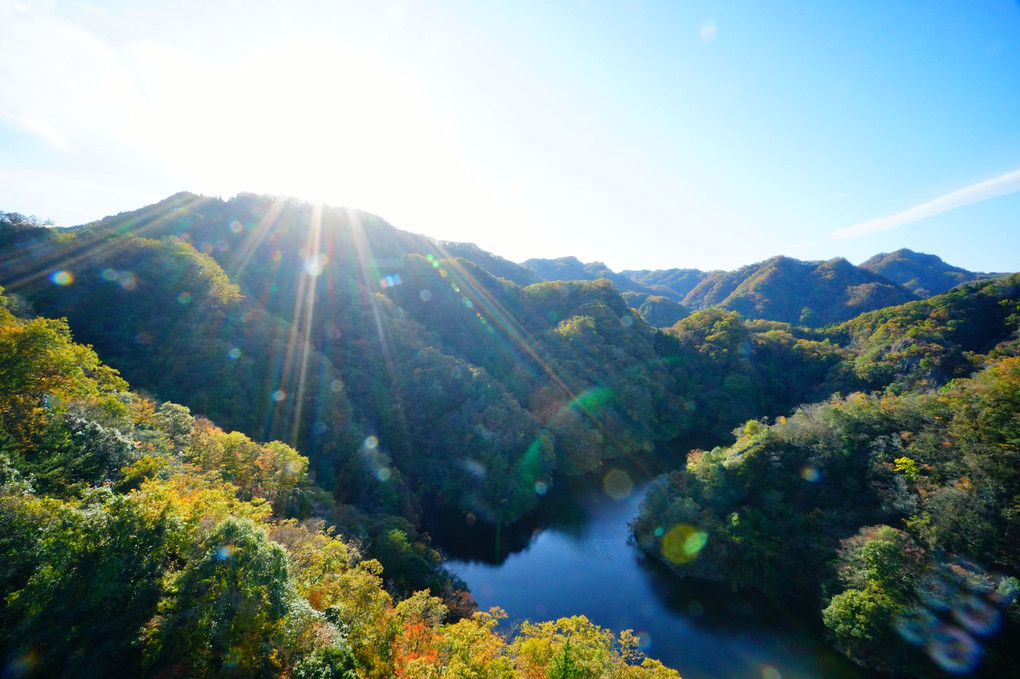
<point>229,609</point>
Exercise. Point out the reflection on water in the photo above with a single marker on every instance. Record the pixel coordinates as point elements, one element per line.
<point>464,539</point>
<point>574,558</point>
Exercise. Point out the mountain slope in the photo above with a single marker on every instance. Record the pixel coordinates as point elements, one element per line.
<point>679,281</point>
<point>793,291</point>
<point>407,375</point>
<point>330,328</point>
<point>924,275</point>
<point>572,269</point>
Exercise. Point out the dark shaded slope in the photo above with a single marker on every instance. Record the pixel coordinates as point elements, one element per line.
<point>170,320</point>
<point>399,367</point>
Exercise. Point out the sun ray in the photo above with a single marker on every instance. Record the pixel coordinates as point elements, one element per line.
<point>517,334</point>
<point>364,260</point>
<point>47,261</point>
<point>250,243</point>
<point>301,323</point>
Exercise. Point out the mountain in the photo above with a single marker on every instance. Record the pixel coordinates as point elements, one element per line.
<point>656,310</point>
<point>793,291</point>
<point>494,264</point>
<point>410,374</point>
<point>778,289</point>
<point>572,269</point>
<point>882,505</point>
<point>924,275</point>
<point>403,373</point>
<point>658,305</point>
<point>679,282</point>
<point>139,540</point>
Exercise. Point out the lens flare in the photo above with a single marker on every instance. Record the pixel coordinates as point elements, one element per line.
<point>916,624</point>
<point>315,264</point>
<point>23,664</point>
<point>475,468</point>
<point>682,543</point>
<point>224,552</point>
<point>617,484</point>
<point>936,592</point>
<point>976,615</point>
<point>953,650</point>
<point>62,277</point>
<point>128,280</point>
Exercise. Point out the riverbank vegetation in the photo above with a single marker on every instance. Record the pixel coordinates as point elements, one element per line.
<point>896,510</point>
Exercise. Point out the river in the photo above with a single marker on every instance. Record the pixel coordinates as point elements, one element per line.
<point>575,558</point>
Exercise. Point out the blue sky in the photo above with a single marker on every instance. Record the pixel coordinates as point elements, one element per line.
<point>641,134</point>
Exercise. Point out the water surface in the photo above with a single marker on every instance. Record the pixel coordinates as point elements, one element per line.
<point>575,558</point>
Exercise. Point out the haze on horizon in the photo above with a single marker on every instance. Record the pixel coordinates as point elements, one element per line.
<point>641,134</point>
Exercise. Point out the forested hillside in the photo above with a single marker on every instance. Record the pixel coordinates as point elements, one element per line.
<point>781,289</point>
<point>399,374</point>
<point>328,328</point>
<point>895,510</point>
<point>792,291</point>
<point>924,275</point>
<point>572,269</point>
<point>678,281</point>
<point>138,540</point>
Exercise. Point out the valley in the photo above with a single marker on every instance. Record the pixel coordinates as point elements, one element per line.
<point>837,434</point>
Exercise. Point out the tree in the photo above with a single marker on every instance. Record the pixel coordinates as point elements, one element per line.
<point>229,609</point>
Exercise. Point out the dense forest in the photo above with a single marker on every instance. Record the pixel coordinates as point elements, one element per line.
<point>396,374</point>
<point>140,540</point>
<point>897,508</point>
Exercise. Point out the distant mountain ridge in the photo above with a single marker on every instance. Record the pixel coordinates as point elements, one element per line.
<point>810,293</point>
<point>793,291</point>
<point>572,269</point>
<point>924,275</point>
<point>678,281</point>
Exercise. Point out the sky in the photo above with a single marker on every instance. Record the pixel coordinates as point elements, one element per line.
<point>646,135</point>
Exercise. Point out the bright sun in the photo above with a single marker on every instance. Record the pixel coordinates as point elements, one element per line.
<point>307,119</point>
